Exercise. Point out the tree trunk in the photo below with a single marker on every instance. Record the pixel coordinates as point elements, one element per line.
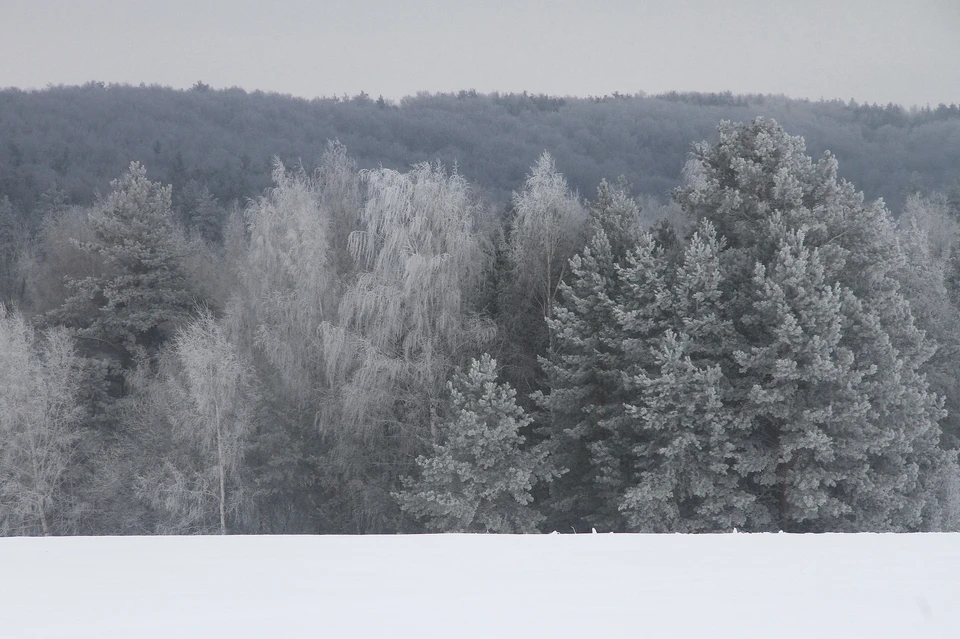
<point>223,479</point>
<point>43,519</point>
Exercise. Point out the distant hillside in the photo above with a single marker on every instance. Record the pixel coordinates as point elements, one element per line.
<point>79,138</point>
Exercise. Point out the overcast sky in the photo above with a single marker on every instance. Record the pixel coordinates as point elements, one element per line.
<point>904,51</point>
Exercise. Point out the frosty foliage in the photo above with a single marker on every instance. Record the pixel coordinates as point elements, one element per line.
<point>545,233</point>
<point>771,373</point>
<point>206,392</point>
<point>781,357</point>
<point>40,412</point>
<point>479,476</point>
<point>288,279</point>
<point>407,315</point>
<point>828,382</point>
<point>360,295</point>
<point>143,293</point>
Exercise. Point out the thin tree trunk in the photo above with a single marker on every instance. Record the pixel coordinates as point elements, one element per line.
<point>223,479</point>
<point>43,519</point>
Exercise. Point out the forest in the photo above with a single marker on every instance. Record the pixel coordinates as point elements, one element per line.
<point>76,139</point>
<point>247,313</point>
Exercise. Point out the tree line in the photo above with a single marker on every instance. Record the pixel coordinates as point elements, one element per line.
<point>75,139</point>
<point>373,350</point>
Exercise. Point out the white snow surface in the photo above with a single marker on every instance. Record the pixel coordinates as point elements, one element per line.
<point>279,587</point>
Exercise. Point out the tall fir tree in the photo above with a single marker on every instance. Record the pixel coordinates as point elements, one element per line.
<point>582,374</point>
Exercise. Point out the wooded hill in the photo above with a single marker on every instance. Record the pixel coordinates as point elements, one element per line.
<point>478,346</point>
<point>77,139</point>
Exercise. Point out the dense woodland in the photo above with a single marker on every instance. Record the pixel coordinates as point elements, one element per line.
<point>503,339</point>
<point>78,139</point>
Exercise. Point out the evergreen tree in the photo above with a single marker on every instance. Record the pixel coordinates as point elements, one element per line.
<point>12,242</point>
<point>680,474</point>
<point>478,477</point>
<point>199,211</point>
<point>827,372</point>
<point>583,375</point>
<point>132,307</point>
<point>583,371</point>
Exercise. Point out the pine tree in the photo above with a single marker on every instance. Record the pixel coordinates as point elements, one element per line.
<point>478,477</point>
<point>133,306</point>
<point>680,475</point>
<point>827,371</point>
<point>583,371</point>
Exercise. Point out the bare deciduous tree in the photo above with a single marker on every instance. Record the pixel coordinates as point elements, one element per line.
<point>546,232</point>
<point>208,390</point>
<point>39,408</point>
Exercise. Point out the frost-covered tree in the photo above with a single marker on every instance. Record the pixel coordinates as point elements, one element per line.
<point>360,297</point>
<point>479,477</point>
<point>407,316</point>
<point>547,229</point>
<point>583,373</point>
<point>679,472</point>
<point>132,307</point>
<point>827,372</point>
<point>292,269</point>
<point>771,372</point>
<point>40,410</point>
<point>199,211</point>
<point>207,394</point>
<point>289,285</point>
<point>930,280</point>
<point>584,408</point>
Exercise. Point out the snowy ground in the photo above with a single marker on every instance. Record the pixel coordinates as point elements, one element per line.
<point>735,585</point>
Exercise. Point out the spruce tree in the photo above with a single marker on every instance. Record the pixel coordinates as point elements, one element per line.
<point>583,375</point>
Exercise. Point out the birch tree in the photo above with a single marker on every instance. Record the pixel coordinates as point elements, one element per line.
<point>545,233</point>
<point>407,317</point>
<point>211,394</point>
<point>39,412</point>
<point>360,294</point>
<point>292,275</point>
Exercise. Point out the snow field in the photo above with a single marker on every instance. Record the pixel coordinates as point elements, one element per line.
<point>733,585</point>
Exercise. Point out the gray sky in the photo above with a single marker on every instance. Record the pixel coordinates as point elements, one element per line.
<point>904,51</point>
